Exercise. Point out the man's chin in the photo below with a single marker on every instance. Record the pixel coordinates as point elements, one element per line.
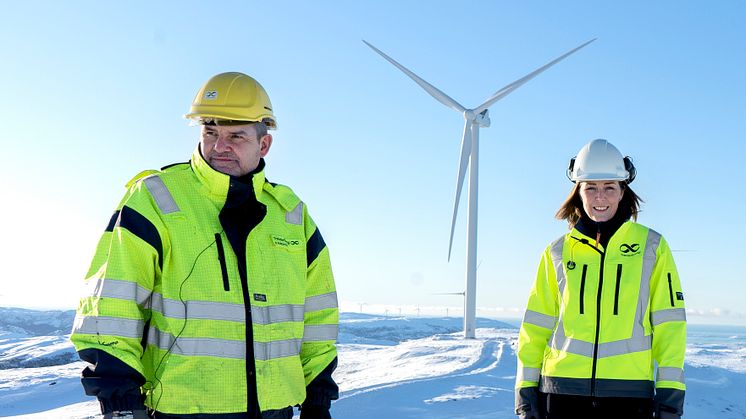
<point>227,168</point>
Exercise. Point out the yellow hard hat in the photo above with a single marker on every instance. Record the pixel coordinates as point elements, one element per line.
<point>232,98</point>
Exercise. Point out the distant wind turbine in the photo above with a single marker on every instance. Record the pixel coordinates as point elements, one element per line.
<point>474,119</point>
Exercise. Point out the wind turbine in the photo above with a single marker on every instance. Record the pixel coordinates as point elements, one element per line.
<point>474,119</point>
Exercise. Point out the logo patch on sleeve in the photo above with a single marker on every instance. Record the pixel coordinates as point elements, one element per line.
<point>680,296</point>
<point>260,297</point>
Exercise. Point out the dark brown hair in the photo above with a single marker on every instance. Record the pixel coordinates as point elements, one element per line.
<point>572,209</point>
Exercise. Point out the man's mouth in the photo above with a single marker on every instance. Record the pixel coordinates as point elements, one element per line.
<point>222,158</point>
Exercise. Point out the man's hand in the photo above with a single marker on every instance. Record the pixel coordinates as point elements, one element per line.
<point>527,403</point>
<point>663,414</point>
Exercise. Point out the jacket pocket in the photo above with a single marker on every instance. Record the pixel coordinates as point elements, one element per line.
<point>670,289</point>
<point>582,288</point>
<point>221,258</point>
<point>616,292</point>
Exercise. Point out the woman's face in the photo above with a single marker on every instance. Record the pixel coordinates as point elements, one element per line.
<point>601,199</point>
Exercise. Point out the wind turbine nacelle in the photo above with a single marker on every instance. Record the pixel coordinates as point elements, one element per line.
<point>483,119</point>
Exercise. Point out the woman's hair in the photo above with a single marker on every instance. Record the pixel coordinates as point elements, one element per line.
<point>572,209</point>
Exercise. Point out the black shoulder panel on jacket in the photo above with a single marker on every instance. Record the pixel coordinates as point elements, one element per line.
<point>112,221</point>
<point>141,227</point>
<point>114,383</point>
<point>173,164</point>
<point>314,246</point>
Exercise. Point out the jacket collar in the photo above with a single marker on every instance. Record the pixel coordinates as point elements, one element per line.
<point>218,183</point>
<point>604,230</point>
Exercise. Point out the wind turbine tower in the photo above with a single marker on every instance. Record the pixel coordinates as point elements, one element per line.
<point>473,120</point>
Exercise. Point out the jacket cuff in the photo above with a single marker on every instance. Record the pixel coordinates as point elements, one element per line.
<point>322,390</point>
<point>114,383</point>
<point>131,414</point>
<point>127,402</point>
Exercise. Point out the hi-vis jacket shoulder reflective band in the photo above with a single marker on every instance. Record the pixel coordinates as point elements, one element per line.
<point>598,320</point>
<point>166,296</point>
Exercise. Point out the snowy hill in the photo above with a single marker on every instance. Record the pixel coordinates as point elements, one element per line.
<point>30,338</point>
<point>20,323</point>
<point>391,367</point>
<point>439,376</point>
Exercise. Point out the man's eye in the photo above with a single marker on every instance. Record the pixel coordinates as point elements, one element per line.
<point>209,134</point>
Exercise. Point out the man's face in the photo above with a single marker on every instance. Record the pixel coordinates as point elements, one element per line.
<point>234,150</point>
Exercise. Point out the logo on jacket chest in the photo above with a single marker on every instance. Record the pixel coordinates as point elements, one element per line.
<point>629,249</point>
<point>287,243</point>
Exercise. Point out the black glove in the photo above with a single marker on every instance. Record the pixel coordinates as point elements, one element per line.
<point>665,414</point>
<point>313,411</point>
<point>527,403</point>
<point>127,414</point>
<point>668,403</point>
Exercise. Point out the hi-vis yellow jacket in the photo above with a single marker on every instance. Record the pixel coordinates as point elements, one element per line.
<point>210,330</point>
<point>599,320</point>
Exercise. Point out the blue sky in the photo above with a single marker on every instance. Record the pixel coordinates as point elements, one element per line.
<point>94,92</point>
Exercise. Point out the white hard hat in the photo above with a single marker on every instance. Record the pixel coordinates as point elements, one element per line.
<point>600,160</point>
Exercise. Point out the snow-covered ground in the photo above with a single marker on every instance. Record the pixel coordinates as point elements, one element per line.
<point>389,367</point>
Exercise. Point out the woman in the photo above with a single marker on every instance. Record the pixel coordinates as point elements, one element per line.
<point>606,307</point>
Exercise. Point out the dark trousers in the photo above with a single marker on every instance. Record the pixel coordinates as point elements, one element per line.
<point>562,406</point>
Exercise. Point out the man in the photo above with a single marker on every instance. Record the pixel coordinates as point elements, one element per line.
<point>211,292</point>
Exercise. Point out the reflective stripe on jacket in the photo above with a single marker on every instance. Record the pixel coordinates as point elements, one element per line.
<point>598,320</point>
<point>169,297</point>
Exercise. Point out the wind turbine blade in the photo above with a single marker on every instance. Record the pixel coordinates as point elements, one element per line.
<point>463,162</point>
<point>429,88</point>
<point>520,82</point>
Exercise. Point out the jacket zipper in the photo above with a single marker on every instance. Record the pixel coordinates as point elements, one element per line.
<point>616,293</point>
<point>221,258</point>
<point>670,289</point>
<point>598,314</point>
<point>252,396</point>
<point>582,288</point>
<point>598,323</point>
<point>239,216</point>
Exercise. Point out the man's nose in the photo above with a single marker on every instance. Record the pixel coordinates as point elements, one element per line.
<point>221,144</point>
